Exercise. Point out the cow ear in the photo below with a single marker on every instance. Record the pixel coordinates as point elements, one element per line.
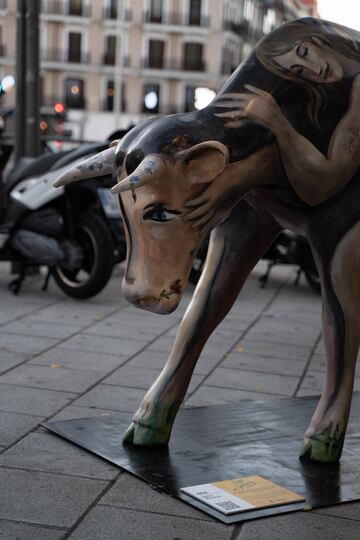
<point>204,161</point>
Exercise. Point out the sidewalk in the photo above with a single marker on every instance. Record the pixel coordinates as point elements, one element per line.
<point>60,358</point>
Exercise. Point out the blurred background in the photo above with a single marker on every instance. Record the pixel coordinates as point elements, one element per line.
<point>106,65</point>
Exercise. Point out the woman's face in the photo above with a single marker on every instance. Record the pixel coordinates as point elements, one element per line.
<point>313,61</point>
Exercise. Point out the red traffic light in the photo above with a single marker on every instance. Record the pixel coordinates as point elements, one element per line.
<point>59,108</point>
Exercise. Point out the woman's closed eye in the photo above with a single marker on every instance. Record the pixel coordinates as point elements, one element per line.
<point>302,51</point>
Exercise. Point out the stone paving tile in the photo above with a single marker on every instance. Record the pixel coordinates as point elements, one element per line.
<point>253,381</point>
<point>132,493</point>
<point>156,360</point>
<point>45,452</point>
<point>115,523</point>
<point>266,364</point>
<point>346,511</point>
<point>212,395</point>
<point>9,360</point>
<point>112,398</point>
<point>33,401</point>
<point>69,311</point>
<point>149,359</point>
<point>318,363</point>
<point>25,344</point>
<point>130,325</point>
<point>15,425</point>
<point>281,350</point>
<point>105,345</point>
<point>51,378</point>
<point>41,329</point>
<point>73,411</point>
<point>81,360</point>
<point>137,377</point>
<point>46,498</point>
<point>281,332</point>
<point>314,380</point>
<point>216,347</point>
<point>10,530</point>
<point>299,526</point>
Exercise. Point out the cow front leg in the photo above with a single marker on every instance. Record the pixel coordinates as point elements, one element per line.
<point>325,435</point>
<point>235,247</point>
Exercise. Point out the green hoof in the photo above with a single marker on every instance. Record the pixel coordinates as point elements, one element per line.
<point>323,447</point>
<point>139,435</point>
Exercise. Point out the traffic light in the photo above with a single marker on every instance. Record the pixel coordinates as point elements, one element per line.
<point>59,109</point>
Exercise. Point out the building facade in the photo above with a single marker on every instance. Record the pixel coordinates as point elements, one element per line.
<point>114,62</point>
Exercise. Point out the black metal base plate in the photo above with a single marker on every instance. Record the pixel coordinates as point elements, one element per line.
<point>211,444</point>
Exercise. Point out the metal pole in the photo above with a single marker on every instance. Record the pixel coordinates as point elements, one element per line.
<point>32,142</point>
<point>20,80</point>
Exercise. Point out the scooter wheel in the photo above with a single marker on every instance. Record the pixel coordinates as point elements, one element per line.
<point>313,279</point>
<point>95,269</point>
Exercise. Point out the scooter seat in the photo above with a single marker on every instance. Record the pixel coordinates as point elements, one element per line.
<point>28,166</point>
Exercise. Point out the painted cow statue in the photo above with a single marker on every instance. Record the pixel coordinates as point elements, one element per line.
<point>278,147</point>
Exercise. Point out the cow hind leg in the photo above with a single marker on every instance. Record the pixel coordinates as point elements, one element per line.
<point>325,435</point>
<point>235,247</point>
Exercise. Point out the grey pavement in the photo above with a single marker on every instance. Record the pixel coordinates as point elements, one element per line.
<point>61,358</point>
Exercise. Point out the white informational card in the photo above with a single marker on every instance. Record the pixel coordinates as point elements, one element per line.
<point>242,494</point>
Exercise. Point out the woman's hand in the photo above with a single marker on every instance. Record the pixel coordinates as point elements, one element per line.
<point>206,210</point>
<point>257,105</point>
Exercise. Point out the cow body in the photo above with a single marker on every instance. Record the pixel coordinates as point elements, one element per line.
<point>162,168</point>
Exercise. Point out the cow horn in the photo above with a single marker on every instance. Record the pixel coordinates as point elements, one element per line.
<point>148,171</point>
<point>98,165</point>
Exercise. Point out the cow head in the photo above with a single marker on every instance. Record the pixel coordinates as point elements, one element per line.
<point>160,242</point>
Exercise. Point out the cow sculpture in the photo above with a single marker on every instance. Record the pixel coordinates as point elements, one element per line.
<point>278,147</point>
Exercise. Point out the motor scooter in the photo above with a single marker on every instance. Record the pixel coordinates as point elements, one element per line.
<point>288,248</point>
<point>75,231</point>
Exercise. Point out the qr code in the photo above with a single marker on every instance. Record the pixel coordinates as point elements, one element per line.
<point>228,505</point>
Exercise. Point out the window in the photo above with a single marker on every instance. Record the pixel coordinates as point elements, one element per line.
<point>156,10</point>
<point>151,99</point>
<point>190,98</point>
<point>75,7</point>
<point>74,93</point>
<point>74,53</point>
<point>109,99</point>
<point>111,95</point>
<point>193,54</point>
<point>111,11</point>
<point>156,54</point>
<point>195,12</point>
<point>110,50</point>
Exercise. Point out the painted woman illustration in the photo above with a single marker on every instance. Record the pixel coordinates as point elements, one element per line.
<point>317,55</point>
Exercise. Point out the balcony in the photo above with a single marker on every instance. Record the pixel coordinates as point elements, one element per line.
<point>65,57</point>
<point>174,65</point>
<point>59,7</point>
<point>108,59</point>
<point>110,13</point>
<point>176,19</point>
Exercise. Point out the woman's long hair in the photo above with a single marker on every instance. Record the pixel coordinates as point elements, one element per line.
<point>344,41</point>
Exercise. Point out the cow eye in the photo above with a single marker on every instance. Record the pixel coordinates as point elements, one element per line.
<point>160,215</point>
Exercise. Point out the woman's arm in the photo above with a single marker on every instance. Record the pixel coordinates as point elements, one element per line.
<point>314,177</point>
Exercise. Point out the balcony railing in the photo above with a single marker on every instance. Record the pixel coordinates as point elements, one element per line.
<point>111,13</point>
<point>70,102</point>
<point>61,56</point>
<point>108,59</point>
<point>177,19</point>
<point>174,65</point>
<point>60,7</point>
